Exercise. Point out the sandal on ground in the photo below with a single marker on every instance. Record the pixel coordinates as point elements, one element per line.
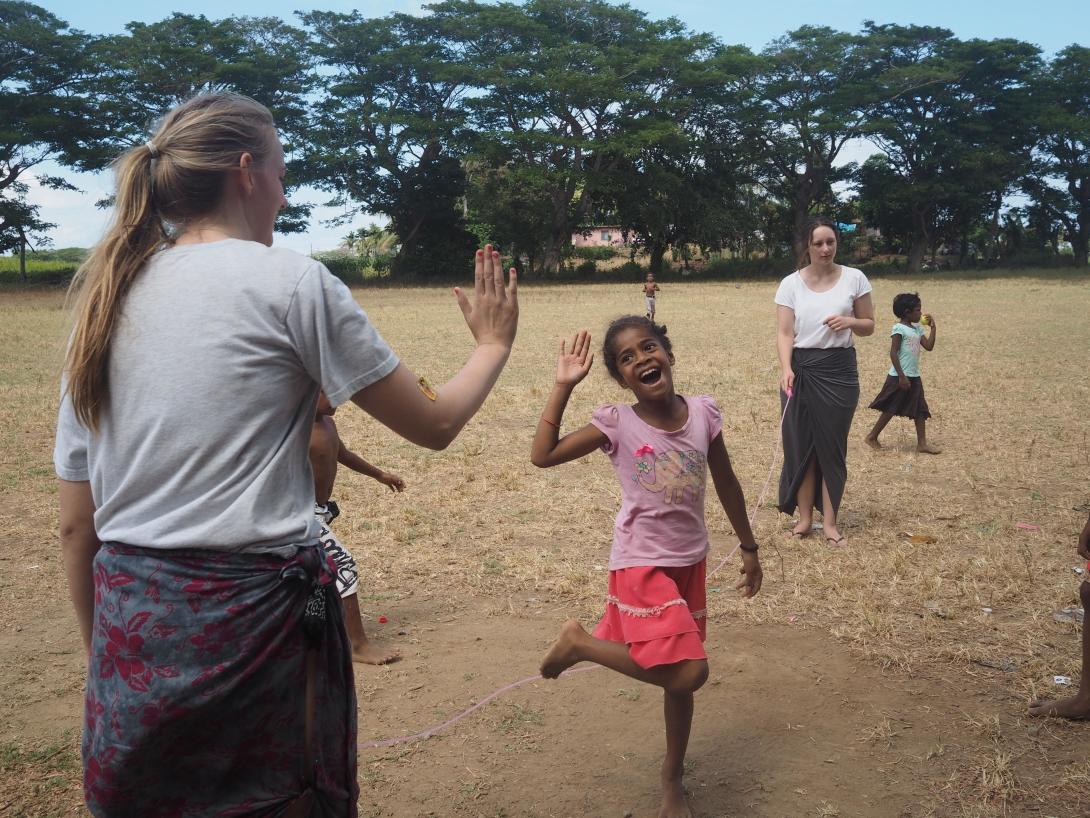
<point>835,541</point>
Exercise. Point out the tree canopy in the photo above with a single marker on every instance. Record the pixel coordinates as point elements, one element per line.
<point>523,123</point>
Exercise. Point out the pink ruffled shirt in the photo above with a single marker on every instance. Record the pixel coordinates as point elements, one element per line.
<point>663,475</point>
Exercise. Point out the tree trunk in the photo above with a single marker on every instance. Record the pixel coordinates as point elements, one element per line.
<point>1080,239</point>
<point>802,216</point>
<point>657,251</point>
<point>916,251</point>
<point>920,239</point>
<point>806,187</point>
<point>559,232</point>
<point>22,258</point>
<point>1080,246</point>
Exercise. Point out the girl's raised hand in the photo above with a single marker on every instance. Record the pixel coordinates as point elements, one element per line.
<point>573,364</point>
<point>493,315</point>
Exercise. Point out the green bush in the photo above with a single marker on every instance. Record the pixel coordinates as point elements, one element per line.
<point>38,271</point>
<point>743,268</point>
<point>586,270</point>
<point>352,270</point>
<point>629,270</point>
<point>595,253</point>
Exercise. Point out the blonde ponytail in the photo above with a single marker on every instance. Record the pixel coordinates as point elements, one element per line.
<point>176,178</point>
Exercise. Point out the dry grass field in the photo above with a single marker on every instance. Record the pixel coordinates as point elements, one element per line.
<point>885,678</point>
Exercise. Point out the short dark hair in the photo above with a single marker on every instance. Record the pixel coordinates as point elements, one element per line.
<point>617,326</point>
<point>904,303</point>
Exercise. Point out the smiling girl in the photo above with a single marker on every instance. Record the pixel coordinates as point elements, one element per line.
<point>661,447</point>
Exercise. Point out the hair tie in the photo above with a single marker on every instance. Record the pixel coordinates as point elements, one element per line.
<point>154,151</point>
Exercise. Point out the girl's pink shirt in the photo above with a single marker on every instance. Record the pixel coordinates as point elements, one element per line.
<point>663,477</point>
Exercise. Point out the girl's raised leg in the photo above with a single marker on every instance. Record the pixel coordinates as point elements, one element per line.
<point>575,645</point>
<point>677,708</point>
<point>679,681</point>
<point>922,445</point>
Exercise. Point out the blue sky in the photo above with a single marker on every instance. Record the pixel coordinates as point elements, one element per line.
<point>1050,24</point>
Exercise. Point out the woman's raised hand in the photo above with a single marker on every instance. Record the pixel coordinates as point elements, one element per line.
<point>493,315</point>
<point>573,364</point>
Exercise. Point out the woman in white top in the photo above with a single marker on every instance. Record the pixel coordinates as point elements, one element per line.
<point>819,308</point>
<point>219,680</point>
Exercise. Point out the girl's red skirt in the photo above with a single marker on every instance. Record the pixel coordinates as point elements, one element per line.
<point>660,612</point>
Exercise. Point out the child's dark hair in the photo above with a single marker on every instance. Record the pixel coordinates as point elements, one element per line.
<point>905,303</point>
<point>617,326</point>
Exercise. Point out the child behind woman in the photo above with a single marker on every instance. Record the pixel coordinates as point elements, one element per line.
<point>327,450</point>
<point>662,446</point>
<point>902,394</point>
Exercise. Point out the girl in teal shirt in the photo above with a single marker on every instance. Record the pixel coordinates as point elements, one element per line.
<point>902,394</point>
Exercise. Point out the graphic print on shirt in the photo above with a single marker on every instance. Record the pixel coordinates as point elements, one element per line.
<point>672,473</point>
<point>912,342</point>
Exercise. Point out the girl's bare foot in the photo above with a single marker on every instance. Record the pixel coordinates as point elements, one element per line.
<point>371,654</point>
<point>927,448</point>
<point>674,802</point>
<point>1075,707</point>
<point>565,650</point>
<point>872,442</point>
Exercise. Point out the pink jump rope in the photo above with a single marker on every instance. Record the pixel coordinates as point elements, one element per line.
<point>495,694</point>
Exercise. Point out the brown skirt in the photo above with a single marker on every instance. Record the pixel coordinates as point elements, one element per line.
<point>905,403</point>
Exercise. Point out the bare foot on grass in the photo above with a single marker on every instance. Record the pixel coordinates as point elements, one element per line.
<point>674,802</point>
<point>927,448</point>
<point>565,650</point>
<point>1075,707</point>
<point>371,654</point>
<point>872,442</point>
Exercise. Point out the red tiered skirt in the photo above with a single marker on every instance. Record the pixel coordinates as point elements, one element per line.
<point>660,612</point>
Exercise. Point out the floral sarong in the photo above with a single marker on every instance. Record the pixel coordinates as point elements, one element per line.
<point>196,701</point>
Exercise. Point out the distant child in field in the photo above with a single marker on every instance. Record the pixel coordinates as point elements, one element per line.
<point>326,451</point>
<point>1077,706</point>
<point>661,447</point>
<point>902,395</point>
<point>649,290</point>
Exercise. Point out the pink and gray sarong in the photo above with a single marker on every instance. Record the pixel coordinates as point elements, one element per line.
<point>196,688</point>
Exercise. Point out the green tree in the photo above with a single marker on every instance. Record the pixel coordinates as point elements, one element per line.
<point>693,185</point>
<point>1059,177</point>
<point>510,206</point>
<point>385,136</point>
<point>810,92</point>
<point>154,66</point>
<point>568,90</point>
<point>44,113</point>
<point>951,118</point>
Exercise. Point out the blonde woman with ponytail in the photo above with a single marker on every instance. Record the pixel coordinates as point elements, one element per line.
<point>219,680</point>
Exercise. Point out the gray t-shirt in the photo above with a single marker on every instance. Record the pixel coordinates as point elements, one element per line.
<point>215,367</point>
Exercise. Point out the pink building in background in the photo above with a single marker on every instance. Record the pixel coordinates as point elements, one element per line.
<point>607,235</point>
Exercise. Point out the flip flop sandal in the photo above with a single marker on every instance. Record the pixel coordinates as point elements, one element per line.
<point>835,541</point>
